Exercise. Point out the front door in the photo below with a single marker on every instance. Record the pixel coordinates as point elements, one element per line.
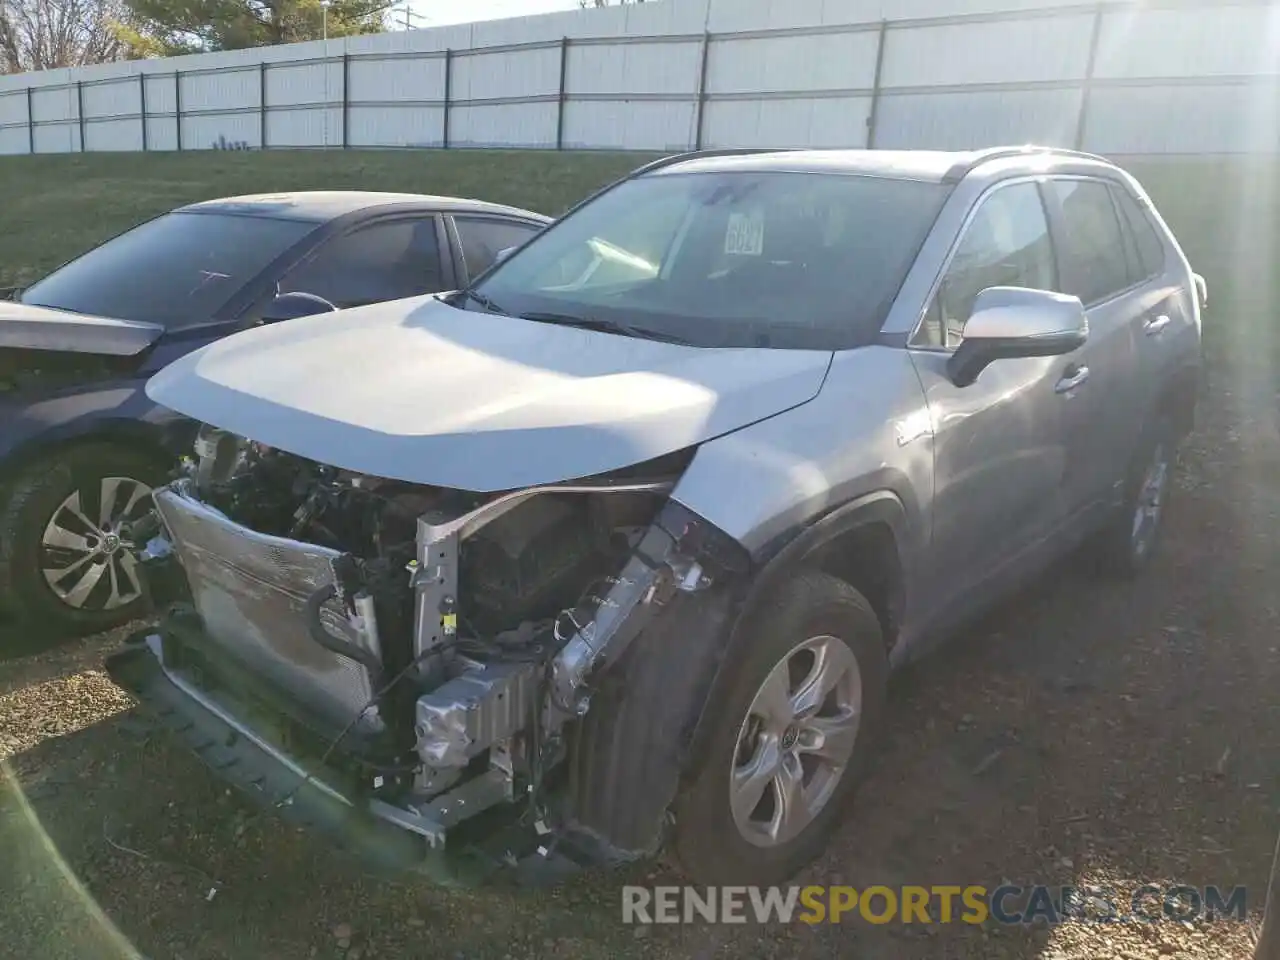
<point>999,449</point>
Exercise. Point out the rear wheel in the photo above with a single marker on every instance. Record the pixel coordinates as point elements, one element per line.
<point>67,566</point>
<point>1126,545</point>
<point>790,737</point>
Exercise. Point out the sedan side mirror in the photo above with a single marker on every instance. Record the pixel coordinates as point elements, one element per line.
<point>1009,322</point>
<point>504,253</point>
<point>291,306</point>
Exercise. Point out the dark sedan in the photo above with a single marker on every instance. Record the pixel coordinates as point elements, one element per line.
<point>80,444</point>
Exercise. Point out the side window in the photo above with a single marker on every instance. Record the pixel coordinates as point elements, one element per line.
<point>483,239</point>
<point>1006,244</point>
<point>383,261</point>
<point>1092,247</point>
<point>1150,249</point>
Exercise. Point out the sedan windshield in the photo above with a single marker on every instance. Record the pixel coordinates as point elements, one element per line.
<point>177,270</point>
<point>738,259</point>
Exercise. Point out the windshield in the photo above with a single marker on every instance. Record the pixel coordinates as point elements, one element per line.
<point>177,270</point>
<point>741,259</point>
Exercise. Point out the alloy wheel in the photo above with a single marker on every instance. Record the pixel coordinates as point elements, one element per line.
<point>796,741</point>
<point>86,555</point>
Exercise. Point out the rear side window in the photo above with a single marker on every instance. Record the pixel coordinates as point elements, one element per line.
<point>1149,248</point>
<point>484,238</point>
<point>1092,249</point>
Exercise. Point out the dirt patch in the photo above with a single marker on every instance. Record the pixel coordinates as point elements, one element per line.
<point>1087,733</point>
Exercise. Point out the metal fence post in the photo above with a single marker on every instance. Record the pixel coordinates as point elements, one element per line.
<point>142,107</point>
<point>873,113</point>
<point>1086,87</point>
<point>80,111</point>
<point>346,99</point>
<point>262,105</point>
<point>177,108</point>
<point>564,96</point>
<point>448,84</point>
<point>31,122</point>
<point>700,120</point>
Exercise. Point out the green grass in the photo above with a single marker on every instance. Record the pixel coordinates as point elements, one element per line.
<point>54,207</point>
<point>1225,212</point>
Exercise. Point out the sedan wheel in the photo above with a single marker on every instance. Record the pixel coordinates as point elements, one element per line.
<point>67,564</point>
<point>86,557</point>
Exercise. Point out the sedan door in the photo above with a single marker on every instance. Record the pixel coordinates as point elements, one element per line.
<point>999,450</point>
<point>482,238</point>
<point>390,258</point>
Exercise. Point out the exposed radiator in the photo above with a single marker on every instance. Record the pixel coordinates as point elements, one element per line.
<point>249,589</point>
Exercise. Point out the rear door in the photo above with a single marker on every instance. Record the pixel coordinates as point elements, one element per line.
<point>1101,415</point>
<point>1167,326</point>
<point>482,238</point>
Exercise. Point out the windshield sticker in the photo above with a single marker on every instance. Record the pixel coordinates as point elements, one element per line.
<point>745,236</point>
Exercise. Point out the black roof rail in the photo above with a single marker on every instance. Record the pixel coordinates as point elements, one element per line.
<point>965,167</point>
<point>700,154</point>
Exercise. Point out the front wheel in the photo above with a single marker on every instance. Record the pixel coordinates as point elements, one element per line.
<point>67,566</point>
<point>790,737</point>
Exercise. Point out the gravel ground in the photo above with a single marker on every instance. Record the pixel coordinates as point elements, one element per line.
<point>1085,733</point>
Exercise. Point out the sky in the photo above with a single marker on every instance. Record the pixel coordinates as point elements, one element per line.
<point>436,13</point>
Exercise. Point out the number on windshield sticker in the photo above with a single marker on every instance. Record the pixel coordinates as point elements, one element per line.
<point>745,236</point>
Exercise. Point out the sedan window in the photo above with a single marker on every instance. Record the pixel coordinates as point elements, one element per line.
<point>484,238</point>
<point>392,260</point>
<point>177,270</point>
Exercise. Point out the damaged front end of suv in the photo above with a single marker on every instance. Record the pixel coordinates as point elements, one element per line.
<point>411,667</point>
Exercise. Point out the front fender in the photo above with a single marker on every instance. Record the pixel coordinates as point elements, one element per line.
<point>114,410</point>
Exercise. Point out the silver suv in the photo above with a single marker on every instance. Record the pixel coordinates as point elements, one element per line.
<point>615,550</point>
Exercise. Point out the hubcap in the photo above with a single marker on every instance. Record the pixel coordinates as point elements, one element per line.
<point>795,742</point>
<point>85,555</point>
<point>1151,497</point>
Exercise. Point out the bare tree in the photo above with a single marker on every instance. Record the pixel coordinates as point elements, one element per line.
<point>45,34</point>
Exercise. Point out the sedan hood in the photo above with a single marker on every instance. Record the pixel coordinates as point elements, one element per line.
<point>27,327</point>
<point>419,391</point>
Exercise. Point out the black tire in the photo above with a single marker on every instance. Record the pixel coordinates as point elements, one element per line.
<point>708,844</point>
<point>1118,550</point>
<point>30,501</point>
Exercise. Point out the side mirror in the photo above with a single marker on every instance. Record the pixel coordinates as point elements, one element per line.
<point>291,306</point>
<point>1009,322</point>
<point>504,253</point>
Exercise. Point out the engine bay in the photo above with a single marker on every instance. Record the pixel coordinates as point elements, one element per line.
<point>453,630</point>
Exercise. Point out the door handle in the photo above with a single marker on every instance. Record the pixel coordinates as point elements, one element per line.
<point>1074,377</point>
<point>1154,326</point>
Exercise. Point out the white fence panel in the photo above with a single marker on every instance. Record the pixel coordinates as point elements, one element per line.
<point>395,126</point>
<point>843,61</point>
<point>116,98</point>
<point>412,79</point>
<point>1124,76</point>
<point>814,122</point>
<point>630,68</point>
<point>634,125</point>
<point>962,121</point>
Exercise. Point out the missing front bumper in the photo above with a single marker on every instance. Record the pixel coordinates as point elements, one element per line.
<point>385,838</point>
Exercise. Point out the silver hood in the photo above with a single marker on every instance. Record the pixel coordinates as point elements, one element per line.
<point>419,391</point>
<point>39,328</point>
